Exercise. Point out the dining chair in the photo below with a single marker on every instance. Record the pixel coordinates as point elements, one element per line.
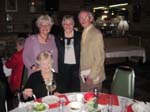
<point>123,82</point>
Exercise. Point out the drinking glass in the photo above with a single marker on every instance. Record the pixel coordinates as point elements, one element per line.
<point>123,102</point>
<point>110,103</point>
<point>61,105</point>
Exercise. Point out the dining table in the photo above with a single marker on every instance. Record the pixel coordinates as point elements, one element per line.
<point>106,102</point>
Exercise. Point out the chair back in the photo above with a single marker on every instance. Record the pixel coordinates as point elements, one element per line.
<point>123,82</point>
<point>24,78</point>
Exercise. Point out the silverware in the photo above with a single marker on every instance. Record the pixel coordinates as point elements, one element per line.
<point>34,96</point>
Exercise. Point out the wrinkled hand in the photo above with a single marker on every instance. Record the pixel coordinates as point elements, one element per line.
<point>27,93</point>
<point>89,81</point>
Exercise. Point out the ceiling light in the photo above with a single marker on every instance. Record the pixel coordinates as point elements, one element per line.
<point>118,5</point>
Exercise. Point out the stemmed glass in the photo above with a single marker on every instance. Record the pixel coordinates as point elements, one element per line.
<point>50,86</point>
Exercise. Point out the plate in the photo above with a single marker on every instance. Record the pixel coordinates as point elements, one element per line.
<point>50,99</point>
<point>141,107</point>
<point>40,107</point>
<point>75,106</point>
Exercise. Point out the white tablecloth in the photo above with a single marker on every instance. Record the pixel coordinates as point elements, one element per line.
<point>122,101</point>
<point>126,51</point>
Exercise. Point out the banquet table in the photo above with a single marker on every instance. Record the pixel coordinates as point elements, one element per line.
<point>126,51</point>
<point>118,102</point>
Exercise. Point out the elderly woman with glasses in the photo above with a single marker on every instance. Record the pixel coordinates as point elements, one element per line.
<point>43,41</point>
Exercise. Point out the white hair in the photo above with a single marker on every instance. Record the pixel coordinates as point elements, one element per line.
<point>44,18</point>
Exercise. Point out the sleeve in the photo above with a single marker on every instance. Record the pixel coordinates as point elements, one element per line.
<point>12,61</point>
<point>29,83</point>
<point>28,53</point>
<point>98,55</point>
<point>55,56</point>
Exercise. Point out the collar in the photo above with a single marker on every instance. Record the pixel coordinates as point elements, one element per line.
<point>86,29</point>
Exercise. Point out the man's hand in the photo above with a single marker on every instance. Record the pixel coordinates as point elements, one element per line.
<point>89,81</point>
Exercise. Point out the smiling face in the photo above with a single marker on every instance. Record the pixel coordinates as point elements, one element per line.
<point>44,28</point>
<point>45,65</point>
<point>85,19</point>
<point>45,61</point>
<point>44,24</point>
<point>68,25</point>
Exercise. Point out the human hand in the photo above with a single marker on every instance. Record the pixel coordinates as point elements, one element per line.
<point>27,93</point>
<point>88,80</point>
<point>84,74</point>
<point>35,68</point>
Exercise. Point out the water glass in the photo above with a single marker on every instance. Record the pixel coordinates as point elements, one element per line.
<point>61,105</point>
<point>110,103</point>
<point>123,102</point>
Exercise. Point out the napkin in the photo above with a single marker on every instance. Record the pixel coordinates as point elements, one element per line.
<point>129,108</point>
<point>88,96</point>
<point>104,99</point>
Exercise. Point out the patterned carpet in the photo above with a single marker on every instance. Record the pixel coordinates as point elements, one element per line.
<point>142,79</point>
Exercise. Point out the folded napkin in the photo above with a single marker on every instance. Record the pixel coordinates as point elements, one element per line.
<point>88,96</point>
<point>103,98</point>
<point>129,108</point>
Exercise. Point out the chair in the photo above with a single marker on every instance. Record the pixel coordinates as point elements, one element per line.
<point>24,78</point>
<point>123,82</point>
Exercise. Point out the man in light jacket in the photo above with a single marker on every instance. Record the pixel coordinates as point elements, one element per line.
<point>92,54</point>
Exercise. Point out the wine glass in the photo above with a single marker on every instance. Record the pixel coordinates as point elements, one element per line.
<point>50,86</point>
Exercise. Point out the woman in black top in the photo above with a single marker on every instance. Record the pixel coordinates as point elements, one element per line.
<point>36,83</point>
<point>68,46</point>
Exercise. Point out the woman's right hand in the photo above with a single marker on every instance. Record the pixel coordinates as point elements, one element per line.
<point>27,93</point>
<point>35,68</point>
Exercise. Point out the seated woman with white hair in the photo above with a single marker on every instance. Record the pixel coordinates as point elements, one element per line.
<point>37,82</point>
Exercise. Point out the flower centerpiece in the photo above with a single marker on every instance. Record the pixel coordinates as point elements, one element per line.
<point>91,102</point>
<point>92,105</point>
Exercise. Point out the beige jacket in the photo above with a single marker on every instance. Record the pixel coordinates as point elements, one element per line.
<point>92,55</point>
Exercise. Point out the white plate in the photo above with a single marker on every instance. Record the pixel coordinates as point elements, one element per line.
<point>75,106</point>
<point>141,107</point>
<point>50,99</point>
